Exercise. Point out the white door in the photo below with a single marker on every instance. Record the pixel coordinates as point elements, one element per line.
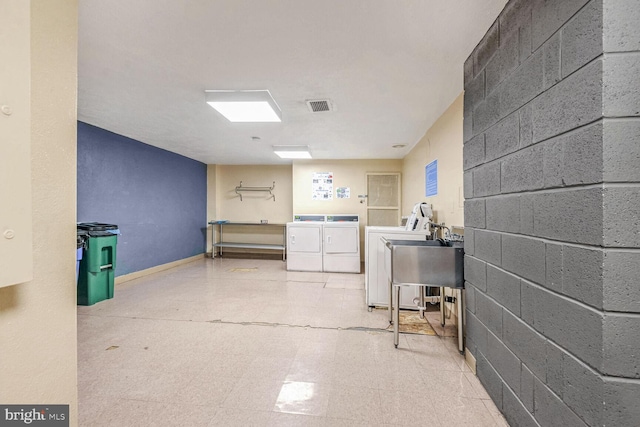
<point>304,239</point>
<point>383,199</point>
<point>341,240</point>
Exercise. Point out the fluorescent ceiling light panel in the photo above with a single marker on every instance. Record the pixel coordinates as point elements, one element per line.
<point>244,105</point>
<point>292,151</point>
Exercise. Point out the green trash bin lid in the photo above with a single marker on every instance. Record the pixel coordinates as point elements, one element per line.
<point>98,229</point>
<point>96,226</point>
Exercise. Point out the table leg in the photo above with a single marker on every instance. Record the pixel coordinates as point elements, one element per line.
<point>220,240</point>
<point>213,241</point>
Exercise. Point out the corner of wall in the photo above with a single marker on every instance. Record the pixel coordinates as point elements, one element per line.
<point>212,201</point>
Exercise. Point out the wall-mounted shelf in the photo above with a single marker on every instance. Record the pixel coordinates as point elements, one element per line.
<point>240,189</point>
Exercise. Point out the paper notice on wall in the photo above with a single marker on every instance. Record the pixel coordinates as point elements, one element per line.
<point>343,192</point>
<point>322,186</point>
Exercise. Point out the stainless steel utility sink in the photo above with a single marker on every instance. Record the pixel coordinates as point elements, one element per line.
<point>425,262</point>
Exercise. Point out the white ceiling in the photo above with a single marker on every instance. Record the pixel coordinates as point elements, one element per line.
<point>391,67</point>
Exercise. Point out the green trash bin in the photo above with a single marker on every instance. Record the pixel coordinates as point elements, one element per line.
<point>97,267</point>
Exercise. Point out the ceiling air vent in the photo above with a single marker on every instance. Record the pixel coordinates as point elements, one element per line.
<point>319,105</point>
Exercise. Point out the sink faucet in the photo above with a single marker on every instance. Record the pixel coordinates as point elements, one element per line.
<point>440,226</point>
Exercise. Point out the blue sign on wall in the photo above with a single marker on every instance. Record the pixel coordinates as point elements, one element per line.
<point>431,178</point>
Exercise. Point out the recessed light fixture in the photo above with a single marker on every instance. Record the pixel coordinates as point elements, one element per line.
<point>292,151</point>
<point>399,146</point>
<point>244,105</point>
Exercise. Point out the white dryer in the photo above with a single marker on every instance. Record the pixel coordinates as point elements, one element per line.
<point>375,274</point>
<point>304,243</point>
<point>341,244</point>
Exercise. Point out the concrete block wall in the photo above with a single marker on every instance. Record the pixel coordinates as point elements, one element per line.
<point>552,211</point>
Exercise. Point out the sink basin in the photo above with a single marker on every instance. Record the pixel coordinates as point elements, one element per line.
<point>425,262</point>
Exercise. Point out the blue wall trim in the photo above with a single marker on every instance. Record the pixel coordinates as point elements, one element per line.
<point>157,198</point>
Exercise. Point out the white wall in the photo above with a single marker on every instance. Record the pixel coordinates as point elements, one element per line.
<point>254,205</point>
<point>224,203</point>
<point>38,335</point>
<point>346,173</point>
<point>443,141</point>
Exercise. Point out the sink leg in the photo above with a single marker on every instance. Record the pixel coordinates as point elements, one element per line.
<point>391,303</point>
<point>422,290</point>
<point>396,323</point>
<point>442,307</point>
<point>460,311</point>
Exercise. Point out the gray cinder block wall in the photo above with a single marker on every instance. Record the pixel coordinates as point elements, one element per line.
<point>552,211</point>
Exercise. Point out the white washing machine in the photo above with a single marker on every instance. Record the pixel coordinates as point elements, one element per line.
<point>304,243</point>
<point>375,275</point>
<point>341,244</point>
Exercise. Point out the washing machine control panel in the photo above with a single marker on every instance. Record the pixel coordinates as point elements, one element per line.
<point>309,218</point>
<point>342,218</point>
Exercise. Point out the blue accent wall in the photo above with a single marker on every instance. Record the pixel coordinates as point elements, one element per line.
<point>157,198</point>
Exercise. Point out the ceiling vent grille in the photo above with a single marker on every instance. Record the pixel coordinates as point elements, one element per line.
<point>319,105</point>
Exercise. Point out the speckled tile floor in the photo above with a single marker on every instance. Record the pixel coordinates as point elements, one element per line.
<point>236,342</point>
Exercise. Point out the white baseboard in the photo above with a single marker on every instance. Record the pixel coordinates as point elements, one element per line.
<point>471,360</point>
<point>137,274</point>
